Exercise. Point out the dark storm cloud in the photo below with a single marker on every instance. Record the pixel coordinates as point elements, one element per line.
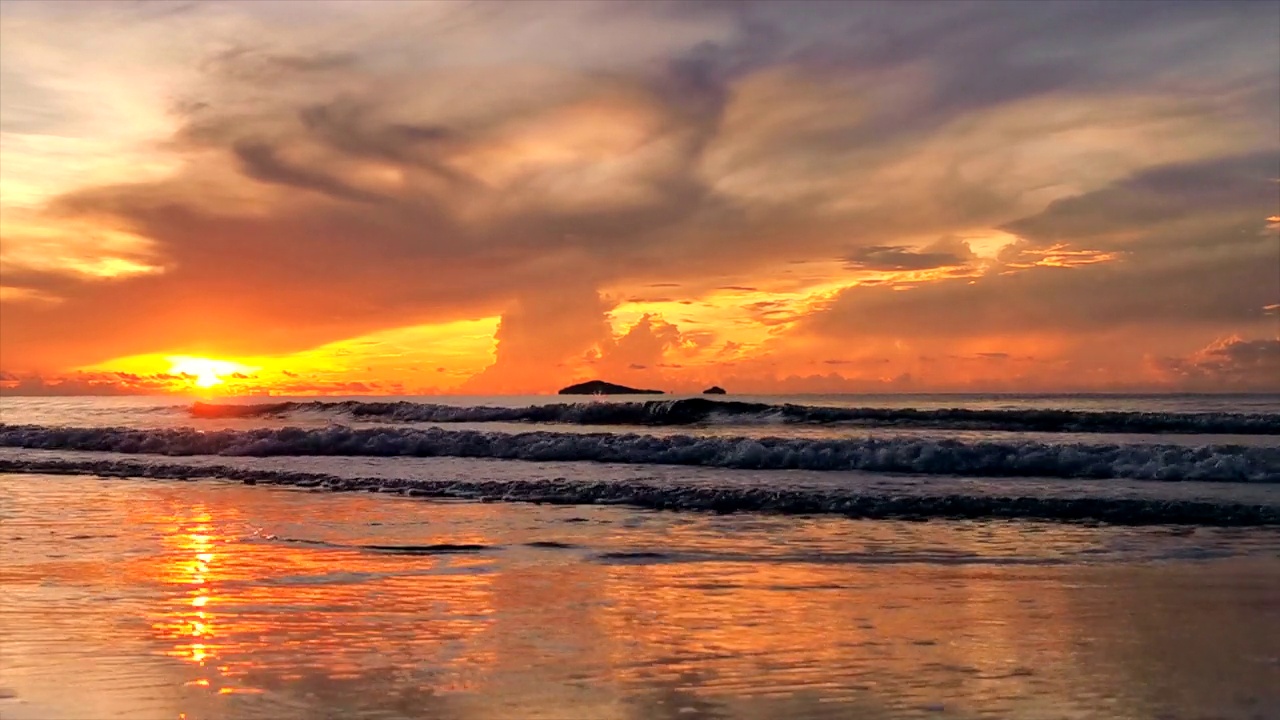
<point>341,123</point>
<point>1192,249</point>
<point>245,63</point>
<point>352,128</point>
<point>1259,354</point>
<point>1051,299</point>
<point>260,161</point>
<point>1233,363</point>
<point>988,53</point>
<point>891,257</point>
<point>1244,189</point>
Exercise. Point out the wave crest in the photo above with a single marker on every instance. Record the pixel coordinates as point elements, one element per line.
<point>697,497</point>
<point>699,410</point>
<point>1225,463</point>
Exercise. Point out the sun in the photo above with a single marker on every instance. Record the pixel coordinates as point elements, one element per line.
<point>206,372</point>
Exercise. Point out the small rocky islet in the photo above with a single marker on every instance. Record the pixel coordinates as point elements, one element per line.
<point>601,387</point>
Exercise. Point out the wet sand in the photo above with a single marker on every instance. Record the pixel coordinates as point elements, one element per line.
<point>161,599</point>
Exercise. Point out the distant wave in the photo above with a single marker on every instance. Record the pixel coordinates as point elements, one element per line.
<point>697,410</point>
<point>1226,463</point>
<point>699,497</point>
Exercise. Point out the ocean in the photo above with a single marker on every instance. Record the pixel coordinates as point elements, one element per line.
<point>961,556</point>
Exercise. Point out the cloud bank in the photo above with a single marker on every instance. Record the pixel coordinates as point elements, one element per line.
<point>791,195</point>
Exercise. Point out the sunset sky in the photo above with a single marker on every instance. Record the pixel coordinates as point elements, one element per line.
<point>451,197</point>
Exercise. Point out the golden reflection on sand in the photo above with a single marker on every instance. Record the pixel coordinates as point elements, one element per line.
<point>556,634</point>
<point>236,630</point>
<point>882,630</point>
<point>190,562</point>
<point>342,606</point>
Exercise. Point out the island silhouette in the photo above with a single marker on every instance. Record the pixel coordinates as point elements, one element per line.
<point>600,387</point>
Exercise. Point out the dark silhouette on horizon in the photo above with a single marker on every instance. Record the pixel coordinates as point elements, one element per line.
<point>600,387</point>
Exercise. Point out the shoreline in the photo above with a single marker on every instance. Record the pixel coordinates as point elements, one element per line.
<point>244,603</point>
<point>701,498</point>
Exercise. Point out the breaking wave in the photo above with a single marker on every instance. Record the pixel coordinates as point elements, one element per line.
<point>1217,463</point>
<point>699,497</point>
<point>698,410</point>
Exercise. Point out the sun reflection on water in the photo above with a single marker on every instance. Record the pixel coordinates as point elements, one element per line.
<point>243,604</point>
<point>349,610</point>
<point>190,562</point>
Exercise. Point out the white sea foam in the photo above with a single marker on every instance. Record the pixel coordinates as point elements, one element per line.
<point>1218,463</point>
<point>714,412</point>
<point>851,499</point>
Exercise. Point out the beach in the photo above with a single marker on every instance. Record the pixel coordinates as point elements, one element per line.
<point>162,599</point>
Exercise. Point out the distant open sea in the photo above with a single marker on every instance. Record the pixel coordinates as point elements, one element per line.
<point>1037,556</point>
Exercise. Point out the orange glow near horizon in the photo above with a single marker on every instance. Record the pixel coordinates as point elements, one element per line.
<point>418,359</point>
<point>535,214</point>
<point>207,373</point>
<point>748,338</point>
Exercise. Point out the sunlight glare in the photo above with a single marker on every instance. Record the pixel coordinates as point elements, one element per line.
<point>206,372</point>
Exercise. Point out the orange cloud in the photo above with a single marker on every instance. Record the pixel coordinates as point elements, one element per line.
<point>703,193</point>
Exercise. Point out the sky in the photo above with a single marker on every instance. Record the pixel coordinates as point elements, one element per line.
<point>775,197</point>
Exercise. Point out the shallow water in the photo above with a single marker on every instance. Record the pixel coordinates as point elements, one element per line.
<point>159,599</point>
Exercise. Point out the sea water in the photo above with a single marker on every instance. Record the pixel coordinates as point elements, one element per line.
<point>848,556</point>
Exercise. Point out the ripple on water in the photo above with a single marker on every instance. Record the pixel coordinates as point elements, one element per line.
<point>801,617</point>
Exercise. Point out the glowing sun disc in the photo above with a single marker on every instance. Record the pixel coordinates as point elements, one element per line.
<point>206,372</point>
